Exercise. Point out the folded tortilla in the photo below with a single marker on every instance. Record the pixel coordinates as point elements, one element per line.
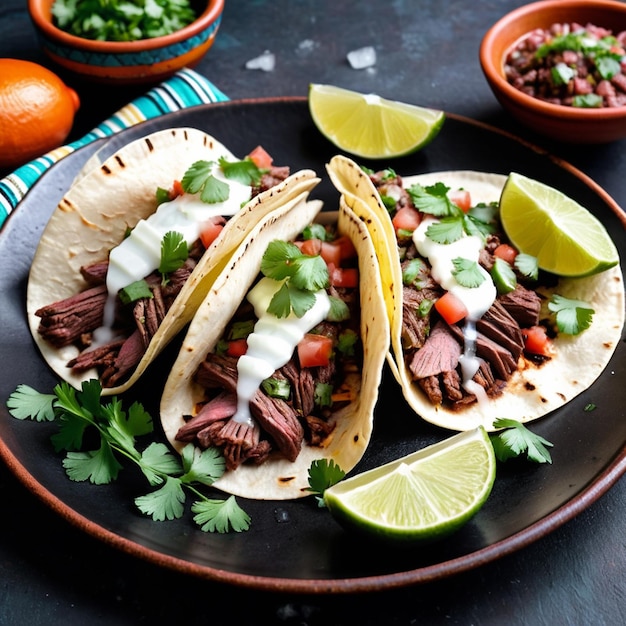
<point>278,478</point>
<point>534,390</point>
<point>106,201</point>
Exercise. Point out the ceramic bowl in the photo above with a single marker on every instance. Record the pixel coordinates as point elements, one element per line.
<point>143,61</point>
<point>560,122</point>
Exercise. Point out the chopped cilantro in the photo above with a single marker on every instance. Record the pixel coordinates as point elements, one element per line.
<point>323,474</point>
<point>467,272</point>
<point>245,171</point>
<point>572,316</point>
<point>199,179</point>
<point>415,272</point>
<point>121,20</point>
<point>323,394</point>
<point>135,291</point>
<point>526,265</point>
<point>174,252</point>
<point>302,275</point>
<point>347,341</point>
<point>515,439</point>
<point>315,231</point>
<point>339,311</point>
<point>80,411</point>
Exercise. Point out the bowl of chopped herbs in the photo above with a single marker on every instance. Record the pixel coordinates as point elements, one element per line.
<point>126,41</point>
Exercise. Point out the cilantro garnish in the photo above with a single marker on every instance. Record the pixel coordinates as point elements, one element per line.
<point>467,272</point>
<point>322,475</point>
<point>174,253</point>
<point>121,20</point>
<point>453,222</point>
<point>245,171</point>
<point>527,265</point>
<point>572,316</point>
<point>199,179</point>
<point>78,412</point>
<point>301,274</point>
<point>516,440</point>
<point>135,291</point>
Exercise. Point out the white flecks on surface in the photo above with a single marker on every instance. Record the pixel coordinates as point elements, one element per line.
<point>362,58</point>
<point>265,62</point>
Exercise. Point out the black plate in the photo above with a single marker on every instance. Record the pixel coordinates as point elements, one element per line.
<point>295,546</point>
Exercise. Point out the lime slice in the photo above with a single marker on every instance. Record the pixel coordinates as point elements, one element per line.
<point>369,126</point>
<point>565,237</point>
<point>421,497</point>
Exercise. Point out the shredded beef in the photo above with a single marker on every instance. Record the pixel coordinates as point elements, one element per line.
<point>64,322</point>
<point>524,305</point>
<point>440,353</point>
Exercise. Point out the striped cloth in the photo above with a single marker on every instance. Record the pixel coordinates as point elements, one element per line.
<point>186,88</point>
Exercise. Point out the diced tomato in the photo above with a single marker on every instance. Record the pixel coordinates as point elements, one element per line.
<point>237,347</point>
<point>461,198</point>
<point>536,340</point>
<point>451,308</point>
<point>261,158</point>
<point>406,218</point>
<point>343,276</point>
<point>312,247</point>
<point>210,232</point>
<point>176,190</point>
<point>506,252</point>
<point>348,251</point>
<point>331,253</point>
<point>315,350</point>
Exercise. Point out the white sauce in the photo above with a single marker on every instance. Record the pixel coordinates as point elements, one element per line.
<point>140,253</point>
<point>272,342</point>
<point>477,300</point>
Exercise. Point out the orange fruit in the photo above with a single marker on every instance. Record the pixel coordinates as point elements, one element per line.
<point>36,111</point>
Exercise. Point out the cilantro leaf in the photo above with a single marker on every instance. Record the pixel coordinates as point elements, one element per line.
<point>322,475</point>
<point>527,265</point>
<point>157,460</point>
<point>302,275</point>
<point>220,515</point>
<point>433,200</point>
<point>99,467</point>
<point>199,179</point>
<point>174,252</point>
<point>572,316</point>
<point>467,272</point>
<point>135,291</point>
<point>516,440</point>
<point>166,503</point>
<point>203,466</point>
<point>76,411</point>
<point>447,230</point>
<point>245,171</point>
<point>26,402</point>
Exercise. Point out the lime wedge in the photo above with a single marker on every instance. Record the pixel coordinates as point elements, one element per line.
<point>421,497</point>
<point>369,126</point>
<point>565,237</point>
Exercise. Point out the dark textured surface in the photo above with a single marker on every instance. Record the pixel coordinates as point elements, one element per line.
<point>54,573</point>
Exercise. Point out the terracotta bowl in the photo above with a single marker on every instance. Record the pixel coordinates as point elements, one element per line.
<point>143,61</point>
<point>560,122</point>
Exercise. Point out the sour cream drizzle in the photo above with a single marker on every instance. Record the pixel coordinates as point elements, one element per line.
<point>477,300</point>
<point>140,253</point>
<point>271,343</point>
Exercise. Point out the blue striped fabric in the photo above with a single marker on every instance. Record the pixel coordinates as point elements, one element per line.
<point>186,88</point>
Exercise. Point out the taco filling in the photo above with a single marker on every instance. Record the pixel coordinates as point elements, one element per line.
<point>128,289</point>
<point>282,367</point>
<point>478,331</point>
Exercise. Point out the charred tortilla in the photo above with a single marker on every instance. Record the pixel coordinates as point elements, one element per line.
<point>536,387</point>
<point>278,478</point>
<point>106,201</point>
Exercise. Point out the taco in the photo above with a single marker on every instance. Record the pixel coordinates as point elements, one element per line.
<point>118,273</point>
<point>273,418</point>
<point>507,374</point>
